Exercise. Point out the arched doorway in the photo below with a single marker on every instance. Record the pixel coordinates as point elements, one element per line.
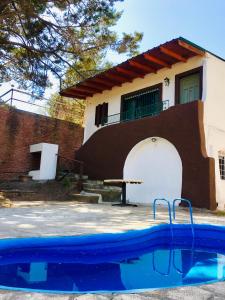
<point>156,161</point>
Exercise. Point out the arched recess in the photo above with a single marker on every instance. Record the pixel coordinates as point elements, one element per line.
<point>157,162</point>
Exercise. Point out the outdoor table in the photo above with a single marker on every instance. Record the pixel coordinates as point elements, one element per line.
<point>123,182</point>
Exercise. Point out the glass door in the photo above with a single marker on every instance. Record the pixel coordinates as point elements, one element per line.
<point>189,88</point>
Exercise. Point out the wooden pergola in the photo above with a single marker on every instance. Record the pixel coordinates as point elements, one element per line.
<point>151,61</point>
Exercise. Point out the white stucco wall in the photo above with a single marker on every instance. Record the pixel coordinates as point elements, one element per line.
<point>113,97</point>
<point>157,162</point>
<point>213,96</point>
<point>214,118</point>
<point>48,161</point>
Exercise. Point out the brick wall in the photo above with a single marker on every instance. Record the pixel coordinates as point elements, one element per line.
<point>19,130</point>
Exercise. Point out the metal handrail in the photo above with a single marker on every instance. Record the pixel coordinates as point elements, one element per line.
<point>190,212</point>
<point>81,164</point>
<point>139,113</point>
<point>21,92</point>
<point>169,212</point>
<point>192,229</point>
<point>81,169</point>
<point>172,252</point>
<point>169,265</point>
<point>191,261</point>
<point>169,208</point>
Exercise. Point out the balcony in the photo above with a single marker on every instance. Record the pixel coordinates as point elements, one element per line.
<point>153,109</point>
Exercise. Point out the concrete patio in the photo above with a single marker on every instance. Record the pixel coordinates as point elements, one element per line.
<point>55,218</point>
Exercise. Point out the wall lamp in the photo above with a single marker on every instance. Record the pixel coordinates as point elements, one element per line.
<point>167,81</point>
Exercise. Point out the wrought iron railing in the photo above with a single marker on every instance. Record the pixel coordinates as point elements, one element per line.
<point>71,167</point>
<point>138,113</point>
<point>9,98</point>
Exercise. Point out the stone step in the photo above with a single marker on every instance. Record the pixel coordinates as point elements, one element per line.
<point>71,176</point>
<point>15,192</point>
<point>107,195</point>
<point>98,182</point>
<point>94,185</point>
<point>5,202</point>
<point>25,178</point>
<point>77,176</point>
<point>84,198</point>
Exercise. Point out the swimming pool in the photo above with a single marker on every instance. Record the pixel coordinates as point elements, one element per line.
<point>133,261</point>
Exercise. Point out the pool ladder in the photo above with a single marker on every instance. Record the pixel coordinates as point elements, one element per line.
<point>173,211</point>
<point>172,216</point>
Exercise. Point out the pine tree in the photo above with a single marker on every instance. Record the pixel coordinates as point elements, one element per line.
<point>39,37</point>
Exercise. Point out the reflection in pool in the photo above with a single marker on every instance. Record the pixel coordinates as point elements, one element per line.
<point>76,267</point>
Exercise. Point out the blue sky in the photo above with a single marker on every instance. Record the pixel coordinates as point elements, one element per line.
<point>201,21</point>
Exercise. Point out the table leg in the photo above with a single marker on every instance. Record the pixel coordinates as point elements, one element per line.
<point>124,194</point>
<point>124,197</point>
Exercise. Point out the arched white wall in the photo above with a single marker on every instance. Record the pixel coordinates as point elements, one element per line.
<point>155,161</point>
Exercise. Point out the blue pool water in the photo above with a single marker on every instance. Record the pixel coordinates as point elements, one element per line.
<point>132,261</point>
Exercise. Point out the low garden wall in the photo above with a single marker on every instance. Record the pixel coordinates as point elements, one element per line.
<point>20,129</point>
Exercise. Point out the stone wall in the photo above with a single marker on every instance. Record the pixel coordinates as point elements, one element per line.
<point>20,129</point>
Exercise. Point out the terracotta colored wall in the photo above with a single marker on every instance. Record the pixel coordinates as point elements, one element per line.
<point>19,130</point>
<point>182,125</point>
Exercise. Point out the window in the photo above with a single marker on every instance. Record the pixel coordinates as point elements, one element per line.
<point>101,114</point>
<point>222,166</point>
<point>142,103</point>
<point>188,86</point>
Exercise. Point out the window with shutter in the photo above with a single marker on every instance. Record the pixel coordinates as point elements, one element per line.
<point>98,115</point>
<point>142,103</point>
<point>101,114</point>
<point>104,116</point>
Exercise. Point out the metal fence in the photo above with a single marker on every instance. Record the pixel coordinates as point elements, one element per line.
<point>24,100</point>
<point>138,113</point>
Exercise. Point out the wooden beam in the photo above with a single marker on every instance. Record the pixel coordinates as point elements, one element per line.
<point>81,94</point>
<point>97,85</point>
<point>140,66</point>
<point>116,77</point>
<point>172,54</point>
<point>93,85</point>
<point>130,72</point>
<point>156,60</point>
<point>190,48</point>
<point>71,95</point>
<point>105,82</point>
<point>88,89</point>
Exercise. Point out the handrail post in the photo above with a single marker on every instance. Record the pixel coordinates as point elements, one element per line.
<point>169,264</point>
<point>169,208</point>
<point>192,231</point>
<point>190,212</point>
<point>169,211</point>
<point>81,169</point>
<point>189,205</point>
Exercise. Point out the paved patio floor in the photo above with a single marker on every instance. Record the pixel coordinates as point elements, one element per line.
<point>69,218</point>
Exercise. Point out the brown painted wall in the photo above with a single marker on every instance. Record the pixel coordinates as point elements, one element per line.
<point>105,152</point>
<point>19,130</point>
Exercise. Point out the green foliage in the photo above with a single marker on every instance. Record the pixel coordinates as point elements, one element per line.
<point>73,109</point>
<point>39,37</point>
<point>66,109</point>
<point>66,182</point>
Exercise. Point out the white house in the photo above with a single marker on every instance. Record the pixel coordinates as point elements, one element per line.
<point>159,117</point>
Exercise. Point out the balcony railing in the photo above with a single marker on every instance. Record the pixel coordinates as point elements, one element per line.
<point>153,109</point>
